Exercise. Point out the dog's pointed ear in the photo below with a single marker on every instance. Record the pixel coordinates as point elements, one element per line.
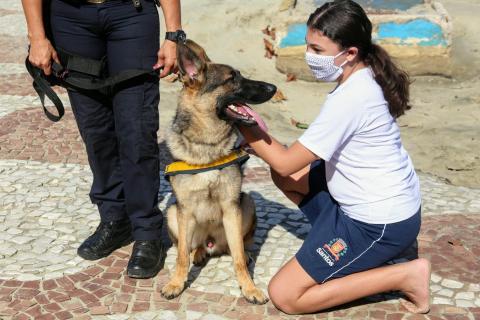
<point>192,62</point>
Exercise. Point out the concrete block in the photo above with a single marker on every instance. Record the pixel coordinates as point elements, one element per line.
<point>416,33</point>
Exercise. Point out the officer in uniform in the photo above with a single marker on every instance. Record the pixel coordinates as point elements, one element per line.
<point>119,129</point>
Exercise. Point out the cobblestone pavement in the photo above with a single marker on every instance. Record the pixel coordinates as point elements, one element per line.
<point>45,213</point>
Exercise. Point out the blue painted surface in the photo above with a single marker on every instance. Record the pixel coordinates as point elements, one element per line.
<point>295,36</point>
<point>423,32</point>
<point>430,33</point>
<point>382,4</point>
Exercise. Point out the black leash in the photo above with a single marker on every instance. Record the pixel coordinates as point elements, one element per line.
<point>43,88</point>
<point>80,74</point>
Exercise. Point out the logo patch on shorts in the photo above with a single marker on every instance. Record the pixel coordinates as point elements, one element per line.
<point>333,251</point>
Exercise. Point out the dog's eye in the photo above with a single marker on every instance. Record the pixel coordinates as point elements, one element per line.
<point>229,78</point>
<point>234,75</point>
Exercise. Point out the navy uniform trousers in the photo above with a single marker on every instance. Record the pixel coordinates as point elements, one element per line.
<point>119,131</point>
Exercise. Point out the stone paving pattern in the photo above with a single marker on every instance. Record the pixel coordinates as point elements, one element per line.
<point>45,213</point>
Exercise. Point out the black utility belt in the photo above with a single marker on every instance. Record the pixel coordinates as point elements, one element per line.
<point>79,74</point>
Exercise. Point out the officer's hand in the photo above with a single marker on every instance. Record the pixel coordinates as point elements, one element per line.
<point>41,55</point>
<point>167,58</point>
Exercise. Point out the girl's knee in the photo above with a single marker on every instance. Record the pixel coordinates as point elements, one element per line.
<point>280,298</point>
<point>277,179</point>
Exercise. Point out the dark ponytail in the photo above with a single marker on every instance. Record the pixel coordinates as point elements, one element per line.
<point>347,24</point>
<point>394,81</point>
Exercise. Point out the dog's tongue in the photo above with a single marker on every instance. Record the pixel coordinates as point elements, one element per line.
<point>253,114</point>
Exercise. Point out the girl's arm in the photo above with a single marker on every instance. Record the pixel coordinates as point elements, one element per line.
<point>285,161</point>
<point>173,22</point>
<point>41,50</point>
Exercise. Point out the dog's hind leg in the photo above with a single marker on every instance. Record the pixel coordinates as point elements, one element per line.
<point>232,222</point>
<point>186,225</point>
<point>199,256</point>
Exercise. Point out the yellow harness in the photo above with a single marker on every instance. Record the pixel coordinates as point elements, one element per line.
<point>181,167</point>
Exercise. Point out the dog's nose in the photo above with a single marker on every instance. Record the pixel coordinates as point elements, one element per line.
<point>270,89</point>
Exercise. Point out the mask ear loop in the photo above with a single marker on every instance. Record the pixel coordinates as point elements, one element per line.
<point>338,55</point>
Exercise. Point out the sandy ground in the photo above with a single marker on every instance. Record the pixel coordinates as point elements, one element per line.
<point>441,132</point>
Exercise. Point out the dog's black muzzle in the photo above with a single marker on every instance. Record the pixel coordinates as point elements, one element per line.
<point>249,92</point>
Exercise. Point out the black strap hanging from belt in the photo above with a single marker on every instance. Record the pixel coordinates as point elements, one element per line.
<point>77,73</point>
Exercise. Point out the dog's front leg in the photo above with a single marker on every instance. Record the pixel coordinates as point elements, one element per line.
<point>232,222</point>
<point>186,225</point>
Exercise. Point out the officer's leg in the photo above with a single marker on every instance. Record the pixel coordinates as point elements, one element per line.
<point>135,106</point>
<point>95,122</point>
<point>74,31</point>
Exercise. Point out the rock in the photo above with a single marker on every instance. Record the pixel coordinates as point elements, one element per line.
<point>7,250</point>
<point>21,239</point>
<point>446,292</point>
<point>435,278</point>
<point>465,304</point>
<point>287,4</point>
<point>437,300</point>
<point>452,284</point>
<point>303,230</point>
<point>465,296</point>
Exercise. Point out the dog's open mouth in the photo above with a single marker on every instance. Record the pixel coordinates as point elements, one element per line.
<point>241,112</point>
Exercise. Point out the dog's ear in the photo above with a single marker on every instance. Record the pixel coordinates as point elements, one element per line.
<point>192,63</point>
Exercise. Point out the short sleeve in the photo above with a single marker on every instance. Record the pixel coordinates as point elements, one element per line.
<point>337,122</point>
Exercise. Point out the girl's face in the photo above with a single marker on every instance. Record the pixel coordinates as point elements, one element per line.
<point>320,44</point>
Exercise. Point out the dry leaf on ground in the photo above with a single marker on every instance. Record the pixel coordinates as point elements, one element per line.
<point>455,242</point>
<point>291,77</point>
<point>278,96</point>
<point>269,49</point>
<point>298,124</point>
<point>271,32</point>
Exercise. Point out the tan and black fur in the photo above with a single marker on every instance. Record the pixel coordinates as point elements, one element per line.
<point>210,206</point>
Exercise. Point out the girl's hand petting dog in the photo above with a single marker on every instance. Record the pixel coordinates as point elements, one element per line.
<point>261,125</point>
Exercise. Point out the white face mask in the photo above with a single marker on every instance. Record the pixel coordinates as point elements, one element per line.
<point>323,67</point>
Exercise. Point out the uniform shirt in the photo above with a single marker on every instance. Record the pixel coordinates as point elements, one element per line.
<point>368,171</point>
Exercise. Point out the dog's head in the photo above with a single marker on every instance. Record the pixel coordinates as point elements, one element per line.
<point>230,90</point>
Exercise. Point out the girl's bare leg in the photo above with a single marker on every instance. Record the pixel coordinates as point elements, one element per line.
<point>293,291</point>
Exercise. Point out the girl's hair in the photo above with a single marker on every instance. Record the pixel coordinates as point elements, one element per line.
<point>346,23</point>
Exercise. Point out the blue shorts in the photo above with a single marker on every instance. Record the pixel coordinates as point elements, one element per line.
<point>338,245</point>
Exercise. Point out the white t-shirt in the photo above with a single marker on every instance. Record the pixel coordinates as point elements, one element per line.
<point>368,171</point>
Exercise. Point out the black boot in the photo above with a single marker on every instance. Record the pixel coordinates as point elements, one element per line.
<point>108,237</point>
<point>148,257</point>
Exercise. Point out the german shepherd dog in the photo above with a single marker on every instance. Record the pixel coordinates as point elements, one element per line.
<point>211,215</point>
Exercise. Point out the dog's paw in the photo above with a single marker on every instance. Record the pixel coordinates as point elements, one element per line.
<point>255,296</point>
<point>170,290</point>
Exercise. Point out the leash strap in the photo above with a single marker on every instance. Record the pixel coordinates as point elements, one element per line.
<point>77,73</point>
<point>44,89</point>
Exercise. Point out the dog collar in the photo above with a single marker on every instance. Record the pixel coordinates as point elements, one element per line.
<point>181,167</point>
